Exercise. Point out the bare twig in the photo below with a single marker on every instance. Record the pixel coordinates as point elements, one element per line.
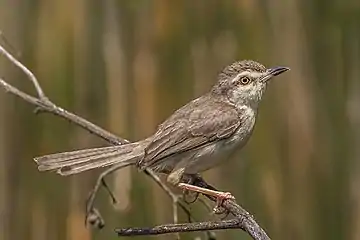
<point>43,104</point>
<point>182,227</point>
<point>243,220</point>
<point>4,40</point>
<point>30,75</point>
<point>173,196</point>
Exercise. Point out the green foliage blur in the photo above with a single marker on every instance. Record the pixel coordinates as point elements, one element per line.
<point>128,64</point>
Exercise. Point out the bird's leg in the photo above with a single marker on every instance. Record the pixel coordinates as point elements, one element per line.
<point>220,196</point>
<point>177,175</point>
<point>189,196</point>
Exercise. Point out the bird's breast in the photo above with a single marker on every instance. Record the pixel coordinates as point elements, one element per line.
<point>247,123</point>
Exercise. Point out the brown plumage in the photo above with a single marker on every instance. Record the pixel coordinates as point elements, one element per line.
<point>196,137</point>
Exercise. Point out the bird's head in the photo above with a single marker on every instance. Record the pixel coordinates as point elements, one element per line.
<point>245,82</point>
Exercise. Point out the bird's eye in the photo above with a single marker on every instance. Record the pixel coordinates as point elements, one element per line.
<point>245,80</point>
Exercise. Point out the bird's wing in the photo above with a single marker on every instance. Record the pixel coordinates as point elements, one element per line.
<point>191,127</point>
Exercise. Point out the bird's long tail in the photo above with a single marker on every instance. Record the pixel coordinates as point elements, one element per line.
<point>68,163</point>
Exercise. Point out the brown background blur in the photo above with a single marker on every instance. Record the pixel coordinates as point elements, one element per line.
<point>127,65</point>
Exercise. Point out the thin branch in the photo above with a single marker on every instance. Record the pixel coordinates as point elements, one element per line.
<point>174,198</point>
<point>243,220</point>
<point>4,40</point>
<point>181,227</point>
<point>30,75</point>
<point>45,105</point>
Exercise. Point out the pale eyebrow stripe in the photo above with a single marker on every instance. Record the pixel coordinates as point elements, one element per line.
<point>256,74</point>
<point>240,75</point>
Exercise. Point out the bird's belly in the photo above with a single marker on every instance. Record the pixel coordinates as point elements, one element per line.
<point>203,158</point>
<point>210,156</point>
<point>206,158</point>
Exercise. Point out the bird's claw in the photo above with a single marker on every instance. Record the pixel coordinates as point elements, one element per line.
<point>220,198</point>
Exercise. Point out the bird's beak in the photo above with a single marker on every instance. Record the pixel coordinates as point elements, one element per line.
<point>274,71</point>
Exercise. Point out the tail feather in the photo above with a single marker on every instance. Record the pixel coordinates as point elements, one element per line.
<point>65,156</point>
<point>87,159</point>
<point>74,169</point>
<point>68,163</point>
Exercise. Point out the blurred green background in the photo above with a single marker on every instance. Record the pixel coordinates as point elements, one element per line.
<point>127,65</point>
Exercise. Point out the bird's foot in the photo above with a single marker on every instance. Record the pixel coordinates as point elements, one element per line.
<point>220,198</point>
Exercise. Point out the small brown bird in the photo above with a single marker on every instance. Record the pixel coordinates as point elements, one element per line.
<point>195,138</point>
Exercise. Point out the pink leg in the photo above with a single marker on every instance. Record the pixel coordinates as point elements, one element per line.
<point>220,196</point>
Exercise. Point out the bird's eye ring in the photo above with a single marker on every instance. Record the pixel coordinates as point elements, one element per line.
<point>245,80</point>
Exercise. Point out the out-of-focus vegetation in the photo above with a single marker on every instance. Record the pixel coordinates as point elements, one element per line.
<point>127,65</point>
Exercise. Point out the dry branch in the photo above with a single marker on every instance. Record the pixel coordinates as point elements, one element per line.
<point>242,219</point>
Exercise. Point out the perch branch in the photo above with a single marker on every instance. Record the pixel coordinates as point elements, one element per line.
<point>242,219</point>
<point>181,227</point>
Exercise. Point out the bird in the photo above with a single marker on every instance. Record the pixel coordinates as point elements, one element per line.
<point>198,136</point>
